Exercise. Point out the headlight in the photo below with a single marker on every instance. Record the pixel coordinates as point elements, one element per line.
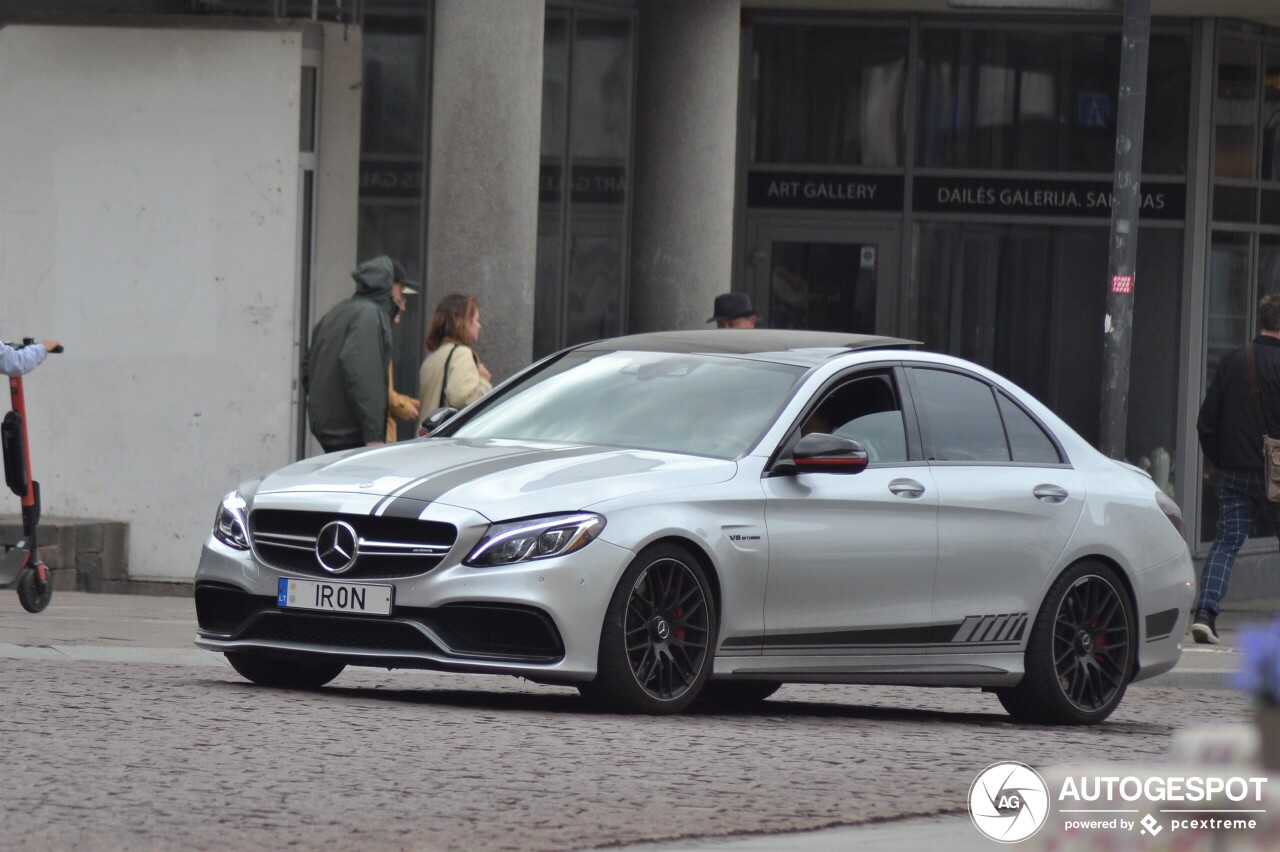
<point>535,538</point>
<point>229,526</point>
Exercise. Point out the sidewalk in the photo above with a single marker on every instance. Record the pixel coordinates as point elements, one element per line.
<point>104,628</point>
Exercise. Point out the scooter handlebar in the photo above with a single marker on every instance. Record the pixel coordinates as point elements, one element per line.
<point>31,341</point>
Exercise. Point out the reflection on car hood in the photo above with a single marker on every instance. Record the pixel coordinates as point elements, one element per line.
<point>498,478</point>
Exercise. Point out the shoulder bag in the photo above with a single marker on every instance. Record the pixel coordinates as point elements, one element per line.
<point>444,384</point>
<point>1270,446</point>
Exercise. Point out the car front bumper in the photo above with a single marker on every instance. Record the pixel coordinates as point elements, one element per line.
<point>539,619</point>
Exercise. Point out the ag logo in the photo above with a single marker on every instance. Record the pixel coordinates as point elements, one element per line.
<point>1008,802</point>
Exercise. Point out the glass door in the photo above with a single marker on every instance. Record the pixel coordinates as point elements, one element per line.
<point>824,277</point>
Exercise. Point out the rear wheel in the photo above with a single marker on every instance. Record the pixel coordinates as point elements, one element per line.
<point>1080,657</point>
<point>294,674</point>
<point>658,635</point>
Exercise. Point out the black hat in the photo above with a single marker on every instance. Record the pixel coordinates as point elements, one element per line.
<point>401,277</point>
<point>732,306</point>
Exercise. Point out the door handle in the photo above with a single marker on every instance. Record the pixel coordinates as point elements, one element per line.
<point>907,488</point>
<point>1050,493</point>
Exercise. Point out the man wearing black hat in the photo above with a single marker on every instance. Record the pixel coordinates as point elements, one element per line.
<point>733,310</point>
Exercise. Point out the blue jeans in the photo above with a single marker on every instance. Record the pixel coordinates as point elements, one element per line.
<point>1240,494</point>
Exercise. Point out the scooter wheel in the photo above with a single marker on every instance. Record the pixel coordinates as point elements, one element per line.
<point>35,592</point>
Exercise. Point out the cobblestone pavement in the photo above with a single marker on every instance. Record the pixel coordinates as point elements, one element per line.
<point>106,756</point>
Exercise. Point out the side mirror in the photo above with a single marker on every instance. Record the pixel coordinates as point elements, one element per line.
<point>432,421</point>
<point>822,453</point>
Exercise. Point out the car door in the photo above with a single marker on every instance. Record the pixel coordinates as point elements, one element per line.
<point>1008,501</point>
<point>852,556</point>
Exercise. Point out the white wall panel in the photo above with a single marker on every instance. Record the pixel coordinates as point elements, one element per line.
<point>148,218</point>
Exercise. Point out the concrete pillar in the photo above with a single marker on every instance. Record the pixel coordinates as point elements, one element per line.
<point>486,113</point>
<point>686,134</point>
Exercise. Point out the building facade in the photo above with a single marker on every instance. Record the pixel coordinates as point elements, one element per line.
<point>597,167</point>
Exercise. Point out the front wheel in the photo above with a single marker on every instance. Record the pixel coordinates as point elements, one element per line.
<point>658,638</point>
<point>293,674</point>
<point>1080,657</point>
<point>35,589</point>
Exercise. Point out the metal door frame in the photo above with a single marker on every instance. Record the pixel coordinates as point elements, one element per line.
<point>764,230</point>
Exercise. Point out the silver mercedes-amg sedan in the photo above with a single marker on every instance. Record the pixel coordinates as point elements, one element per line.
<point>682,516</point>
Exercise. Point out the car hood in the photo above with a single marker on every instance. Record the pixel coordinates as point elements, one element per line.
<point>498,478</point>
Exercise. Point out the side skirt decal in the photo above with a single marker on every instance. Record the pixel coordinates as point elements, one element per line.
<point>1001,629</point>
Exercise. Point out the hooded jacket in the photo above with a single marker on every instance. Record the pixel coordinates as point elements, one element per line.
<point>1230,433</point>
<point>345,373</point>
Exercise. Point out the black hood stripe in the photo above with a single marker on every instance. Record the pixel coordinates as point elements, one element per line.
<point>434,486</point>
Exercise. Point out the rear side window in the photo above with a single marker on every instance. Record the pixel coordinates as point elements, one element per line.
<point>962,421</point>
<point>1027,440</point>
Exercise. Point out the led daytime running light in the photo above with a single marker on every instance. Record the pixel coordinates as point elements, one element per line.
<point>573,533</point>
<point>229,527</point>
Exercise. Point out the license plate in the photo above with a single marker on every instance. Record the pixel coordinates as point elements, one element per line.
<point>334,597</point>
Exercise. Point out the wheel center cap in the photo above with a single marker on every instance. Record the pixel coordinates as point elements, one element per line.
<point>661,628</point>
<point>1085,642</point>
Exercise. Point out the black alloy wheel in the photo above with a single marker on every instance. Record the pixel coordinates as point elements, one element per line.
<point>657,640</point>
<point>1091,638</point>
<point>1080,657</point>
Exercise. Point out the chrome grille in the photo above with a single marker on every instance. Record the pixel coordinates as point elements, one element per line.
<point>389,547</point>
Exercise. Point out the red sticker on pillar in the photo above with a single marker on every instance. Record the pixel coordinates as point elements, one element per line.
<point>1121,283</point>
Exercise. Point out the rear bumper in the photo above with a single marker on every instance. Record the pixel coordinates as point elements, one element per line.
<point>1165,595</point>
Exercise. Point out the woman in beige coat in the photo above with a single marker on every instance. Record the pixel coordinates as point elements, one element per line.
<point>452,374</point>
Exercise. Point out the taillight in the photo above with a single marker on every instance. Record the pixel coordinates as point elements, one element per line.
<point>1172,512</point>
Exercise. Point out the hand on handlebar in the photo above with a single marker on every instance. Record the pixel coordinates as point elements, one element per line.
<point>52,345</point>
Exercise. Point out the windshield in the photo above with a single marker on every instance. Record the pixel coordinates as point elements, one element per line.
<point>699,404</point>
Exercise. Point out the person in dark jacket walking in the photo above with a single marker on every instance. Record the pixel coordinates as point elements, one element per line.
<point>346,370</point>
<point>1231,437</point>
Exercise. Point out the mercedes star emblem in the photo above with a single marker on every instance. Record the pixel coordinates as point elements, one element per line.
<point>337,547</point>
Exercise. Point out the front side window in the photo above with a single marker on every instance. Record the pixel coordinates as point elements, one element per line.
<point>696,404</point>
<point>865,410</point>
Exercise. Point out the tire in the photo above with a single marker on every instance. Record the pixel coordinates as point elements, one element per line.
<point>664,605</point>
<point>292,674</point>
<point>1082,651</point>
<point>734,694</point>
<point>33,593</point>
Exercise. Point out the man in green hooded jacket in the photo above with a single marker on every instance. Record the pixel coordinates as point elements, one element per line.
<point>345,373</point>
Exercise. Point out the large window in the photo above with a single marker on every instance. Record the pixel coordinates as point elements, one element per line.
<point>829,95</point>
<point>1029,302</point>
<point>1044,102</point>
<point>585,181</point>
<point>392,142</point>
<point>1244,245</point>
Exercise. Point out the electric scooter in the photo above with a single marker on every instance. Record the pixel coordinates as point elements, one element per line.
<point>21,565</point>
